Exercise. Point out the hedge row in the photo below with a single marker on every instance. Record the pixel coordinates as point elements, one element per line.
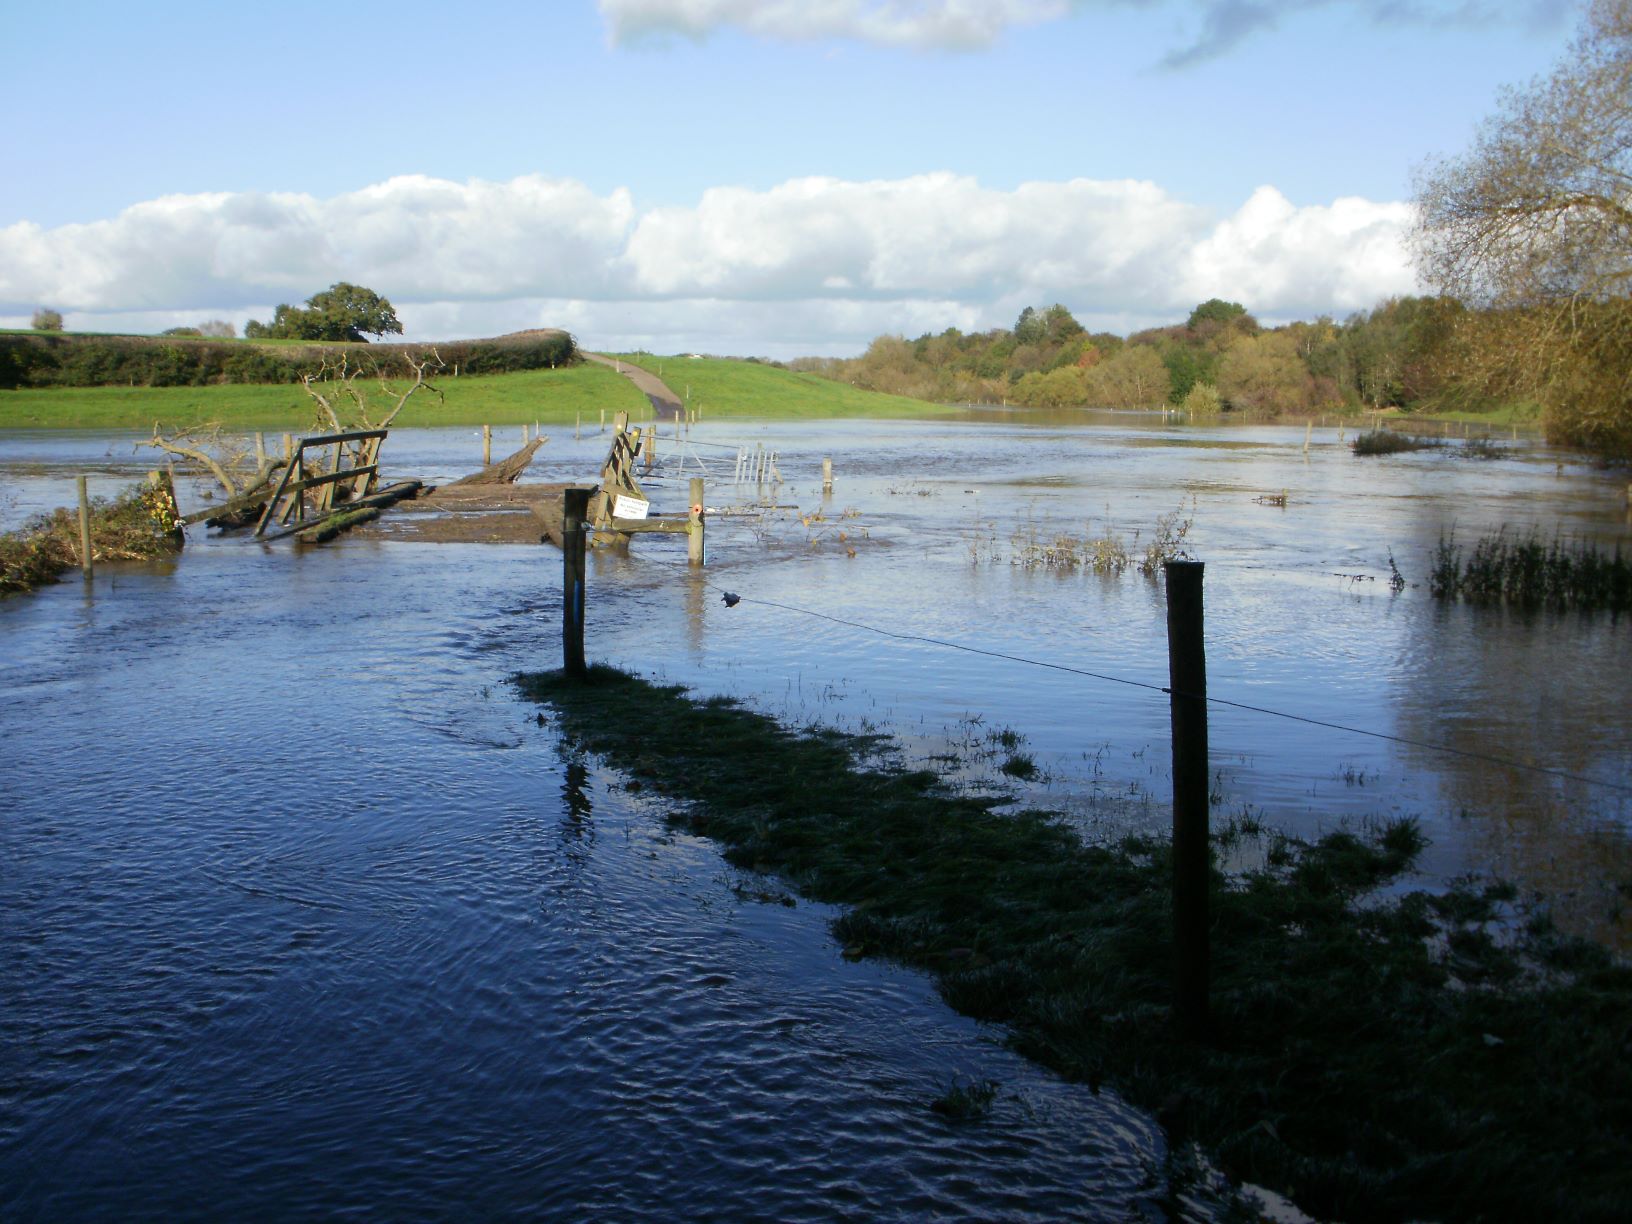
<point>168,361</point>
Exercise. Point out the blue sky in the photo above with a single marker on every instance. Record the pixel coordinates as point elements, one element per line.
<point>776,177</point>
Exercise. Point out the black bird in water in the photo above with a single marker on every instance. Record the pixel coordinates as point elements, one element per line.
<point>730,599</point>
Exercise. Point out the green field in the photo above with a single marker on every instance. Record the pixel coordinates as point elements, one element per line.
<point>553,396</point>
<point>718,388</point>
<point>723,388</point>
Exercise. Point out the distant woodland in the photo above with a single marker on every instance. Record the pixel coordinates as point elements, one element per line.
<point>1218,360</point>
<point>1411,353</point>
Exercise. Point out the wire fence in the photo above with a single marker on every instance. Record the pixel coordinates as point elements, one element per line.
<point>733,598</point>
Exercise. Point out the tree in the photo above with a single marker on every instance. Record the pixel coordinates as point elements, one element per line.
<point>1133,378</point>
<point>1029,328</point>
<point>1534,224</point>
<point>47,320</point>
<point>342,312</point>
<point>1264,374</point>
<point>1059,325</point>
<point>1541,207</point>
<point>1215,310</point>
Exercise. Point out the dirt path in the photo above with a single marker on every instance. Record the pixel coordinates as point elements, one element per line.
<point>664,402</point>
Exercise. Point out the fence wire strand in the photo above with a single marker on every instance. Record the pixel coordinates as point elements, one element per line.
<point>1428,745</point>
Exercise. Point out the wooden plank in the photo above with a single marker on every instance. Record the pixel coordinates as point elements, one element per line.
<point>385,497</point>
<point>245,500</point>
<point>329,478</point>
<point>288,470</point>
<point>354,436</point>
<point>672,525</point>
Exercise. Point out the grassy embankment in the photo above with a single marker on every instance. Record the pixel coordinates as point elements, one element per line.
<point>719,388</point>
<point>1408,1059</point>
<point>552,396</point>
<point>723,388</point>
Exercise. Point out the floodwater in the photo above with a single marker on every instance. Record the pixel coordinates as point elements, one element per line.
<point>303,912</point>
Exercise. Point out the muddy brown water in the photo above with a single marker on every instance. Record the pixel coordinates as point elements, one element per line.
<point>304,912</point>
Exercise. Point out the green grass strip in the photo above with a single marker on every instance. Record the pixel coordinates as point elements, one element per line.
<point>1390,1060</point>
<point>554,397</point>
<point>720,387</point>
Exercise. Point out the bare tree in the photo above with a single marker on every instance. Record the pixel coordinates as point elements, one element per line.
<point>344,398</point>
<point>1534,223</point>
<point>1540,209</point>
<point>227,457</point>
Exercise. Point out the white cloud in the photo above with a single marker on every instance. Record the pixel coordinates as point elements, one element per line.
<point>423,236</point>
<point>813,265</point>
<point>1297,262</point>
<point>942,25</point>
<point>969,25</point>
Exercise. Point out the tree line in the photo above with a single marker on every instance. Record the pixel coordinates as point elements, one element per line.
<point>1524,242</point>
<point>1220,359</point>
<point>176,361</point>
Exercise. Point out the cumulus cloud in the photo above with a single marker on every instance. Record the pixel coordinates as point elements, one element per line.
<point>970,25</point>
<point>812,265</point>
<point>423,236</point>
<point>1300,262</point>
<point>943,25</point>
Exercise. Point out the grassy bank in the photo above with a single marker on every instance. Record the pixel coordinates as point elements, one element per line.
<point>719,389</point>
<point>550,396</point>
<point>1373,1060</point>
<point>723,388</point>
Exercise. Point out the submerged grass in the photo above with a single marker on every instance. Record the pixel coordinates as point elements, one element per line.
<point>1385,1060</point>
<point>1390,442</point>
<point>1533,572</point>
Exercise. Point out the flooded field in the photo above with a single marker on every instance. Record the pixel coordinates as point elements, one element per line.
<point>305,912</point>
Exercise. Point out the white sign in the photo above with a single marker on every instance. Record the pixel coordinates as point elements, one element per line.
<point>629,507</point>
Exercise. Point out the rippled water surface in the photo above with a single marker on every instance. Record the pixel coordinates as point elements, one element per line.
<point>304,912</point>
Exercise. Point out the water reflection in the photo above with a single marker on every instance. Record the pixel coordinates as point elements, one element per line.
<point>578,809</point>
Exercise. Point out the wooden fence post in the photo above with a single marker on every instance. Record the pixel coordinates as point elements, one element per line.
<point>575,510</point>
<point>827,475</point>
<point>1187,678</point>
<point>487,445</point>
<point>694,525</point>
<point>86,560</point>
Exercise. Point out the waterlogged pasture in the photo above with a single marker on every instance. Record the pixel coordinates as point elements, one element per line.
<point>305,910</point>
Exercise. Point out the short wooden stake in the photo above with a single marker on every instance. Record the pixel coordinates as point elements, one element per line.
<point>288,447</point>
<point>574,510</point>
<point>1308,432</point>
<point>86,560</point>
<point>260,448</point>
<point>827,475</point>
<point>603,420</point>
<point>694,523</point>
<point>1192,865</point>
<point>487,445</point>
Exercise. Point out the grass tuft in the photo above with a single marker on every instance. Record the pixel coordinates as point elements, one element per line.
<point>966,1102</point>
<point>1532,572</point>
<point>1389,442</point>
